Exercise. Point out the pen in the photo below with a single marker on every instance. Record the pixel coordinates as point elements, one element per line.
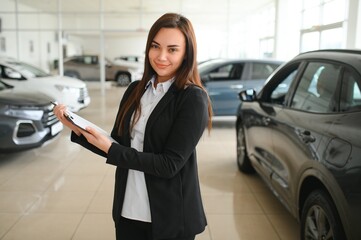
<point>66,114</point>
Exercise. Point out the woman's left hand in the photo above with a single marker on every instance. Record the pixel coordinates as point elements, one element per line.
<point>97,139</point>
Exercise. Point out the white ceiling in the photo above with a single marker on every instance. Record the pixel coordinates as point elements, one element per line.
<point>144,12</point>
<point>150,6</point>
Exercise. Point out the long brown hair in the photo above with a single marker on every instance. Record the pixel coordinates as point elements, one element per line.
<point>187,73</point>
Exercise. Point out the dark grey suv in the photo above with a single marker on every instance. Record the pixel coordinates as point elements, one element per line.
<point>302,133</point>
<point>26,119</point>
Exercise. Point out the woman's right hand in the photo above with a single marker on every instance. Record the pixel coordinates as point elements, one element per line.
<point>60,112</point>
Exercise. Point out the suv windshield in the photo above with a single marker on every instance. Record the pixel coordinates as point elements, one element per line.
<point>27,70</point>
<point>205,66</point>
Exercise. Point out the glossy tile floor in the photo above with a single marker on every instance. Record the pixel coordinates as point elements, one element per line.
<point>62,191</point>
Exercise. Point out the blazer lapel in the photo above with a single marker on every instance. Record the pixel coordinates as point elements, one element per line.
<point>162,104</point>
<point>127,122</point>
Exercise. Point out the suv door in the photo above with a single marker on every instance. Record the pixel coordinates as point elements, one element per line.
<point>223,84</point>
<point>301,126</point>
<point>260,120</point>
<point>84,67</point>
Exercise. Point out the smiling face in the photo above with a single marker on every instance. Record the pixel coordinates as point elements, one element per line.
<point>167,52</point>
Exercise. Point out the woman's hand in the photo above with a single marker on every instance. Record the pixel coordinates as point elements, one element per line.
<point>97,139</point>
<point>60,112</point>
<point>93,136</point>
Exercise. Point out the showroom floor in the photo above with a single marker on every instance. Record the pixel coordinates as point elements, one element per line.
<point>62,191</point>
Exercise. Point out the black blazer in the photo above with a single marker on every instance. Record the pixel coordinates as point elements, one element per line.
<point>168,160</point>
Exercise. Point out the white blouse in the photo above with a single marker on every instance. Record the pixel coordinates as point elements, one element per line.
<point>136,201</point>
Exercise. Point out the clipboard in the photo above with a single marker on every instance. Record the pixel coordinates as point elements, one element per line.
<point>83,123</point>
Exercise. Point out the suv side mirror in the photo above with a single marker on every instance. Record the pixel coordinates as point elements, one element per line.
<point>248,95</point>
<point>205,78</point>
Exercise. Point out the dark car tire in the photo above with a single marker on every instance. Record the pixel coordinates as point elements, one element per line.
<point>72,74</point>
<point>243,161</point>
<point>123,79</point>
<point>327,225</point>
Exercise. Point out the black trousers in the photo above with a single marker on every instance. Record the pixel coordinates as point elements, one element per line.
<point>128,229</point>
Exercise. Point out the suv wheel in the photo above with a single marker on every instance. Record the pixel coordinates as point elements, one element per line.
<point>320,219</point>
<point>243,162</point>
<point>123,79</point>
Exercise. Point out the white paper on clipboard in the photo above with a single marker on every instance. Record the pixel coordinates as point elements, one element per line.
<point>83,123</point>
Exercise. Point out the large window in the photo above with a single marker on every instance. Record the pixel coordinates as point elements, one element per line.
<point>322,24</point>
<point>267,19</point>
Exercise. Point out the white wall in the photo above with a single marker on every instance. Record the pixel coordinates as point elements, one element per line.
<point>115,45</point>
<point>8,21</point>
<point>211,43</point>
<point>32,45</point>
<point>127,45</point>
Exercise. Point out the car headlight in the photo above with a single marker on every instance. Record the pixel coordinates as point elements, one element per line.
<point>63,88</point>
<point>24,114</point>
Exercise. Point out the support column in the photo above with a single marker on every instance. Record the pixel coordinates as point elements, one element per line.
<point>351,22</point>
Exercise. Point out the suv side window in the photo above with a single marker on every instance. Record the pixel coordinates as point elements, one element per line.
<point>10,74</point>
<point>227,72</point>
<point>91,60</point>
<point>277,93</point>
<point>262,70</point>
<point>350,92</point>
<point>317,87</point>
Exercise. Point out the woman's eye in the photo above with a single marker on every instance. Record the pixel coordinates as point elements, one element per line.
<point>154,46</point>
<point>171,50</point>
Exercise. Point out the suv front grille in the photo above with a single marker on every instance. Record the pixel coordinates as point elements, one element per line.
<point>49,117</point>
<point>83,95</point>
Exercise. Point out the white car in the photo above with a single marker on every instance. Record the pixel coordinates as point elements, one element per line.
<point>69,91</point>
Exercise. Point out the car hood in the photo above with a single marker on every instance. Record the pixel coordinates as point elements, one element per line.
<point>15,97</point>
<point>60,80</point>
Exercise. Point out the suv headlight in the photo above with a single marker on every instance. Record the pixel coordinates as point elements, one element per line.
<point>63,88</point>
<point>24,114</point>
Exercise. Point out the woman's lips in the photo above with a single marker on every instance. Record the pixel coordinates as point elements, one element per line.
<point>161,65</point>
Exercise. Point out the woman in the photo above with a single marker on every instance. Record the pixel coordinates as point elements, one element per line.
<point>159,123</point>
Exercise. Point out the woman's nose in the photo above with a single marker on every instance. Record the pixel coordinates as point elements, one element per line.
<point>162,55</point>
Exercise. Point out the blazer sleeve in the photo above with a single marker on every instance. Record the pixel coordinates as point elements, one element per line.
<point>187,128</point>
<point>81,140</point>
